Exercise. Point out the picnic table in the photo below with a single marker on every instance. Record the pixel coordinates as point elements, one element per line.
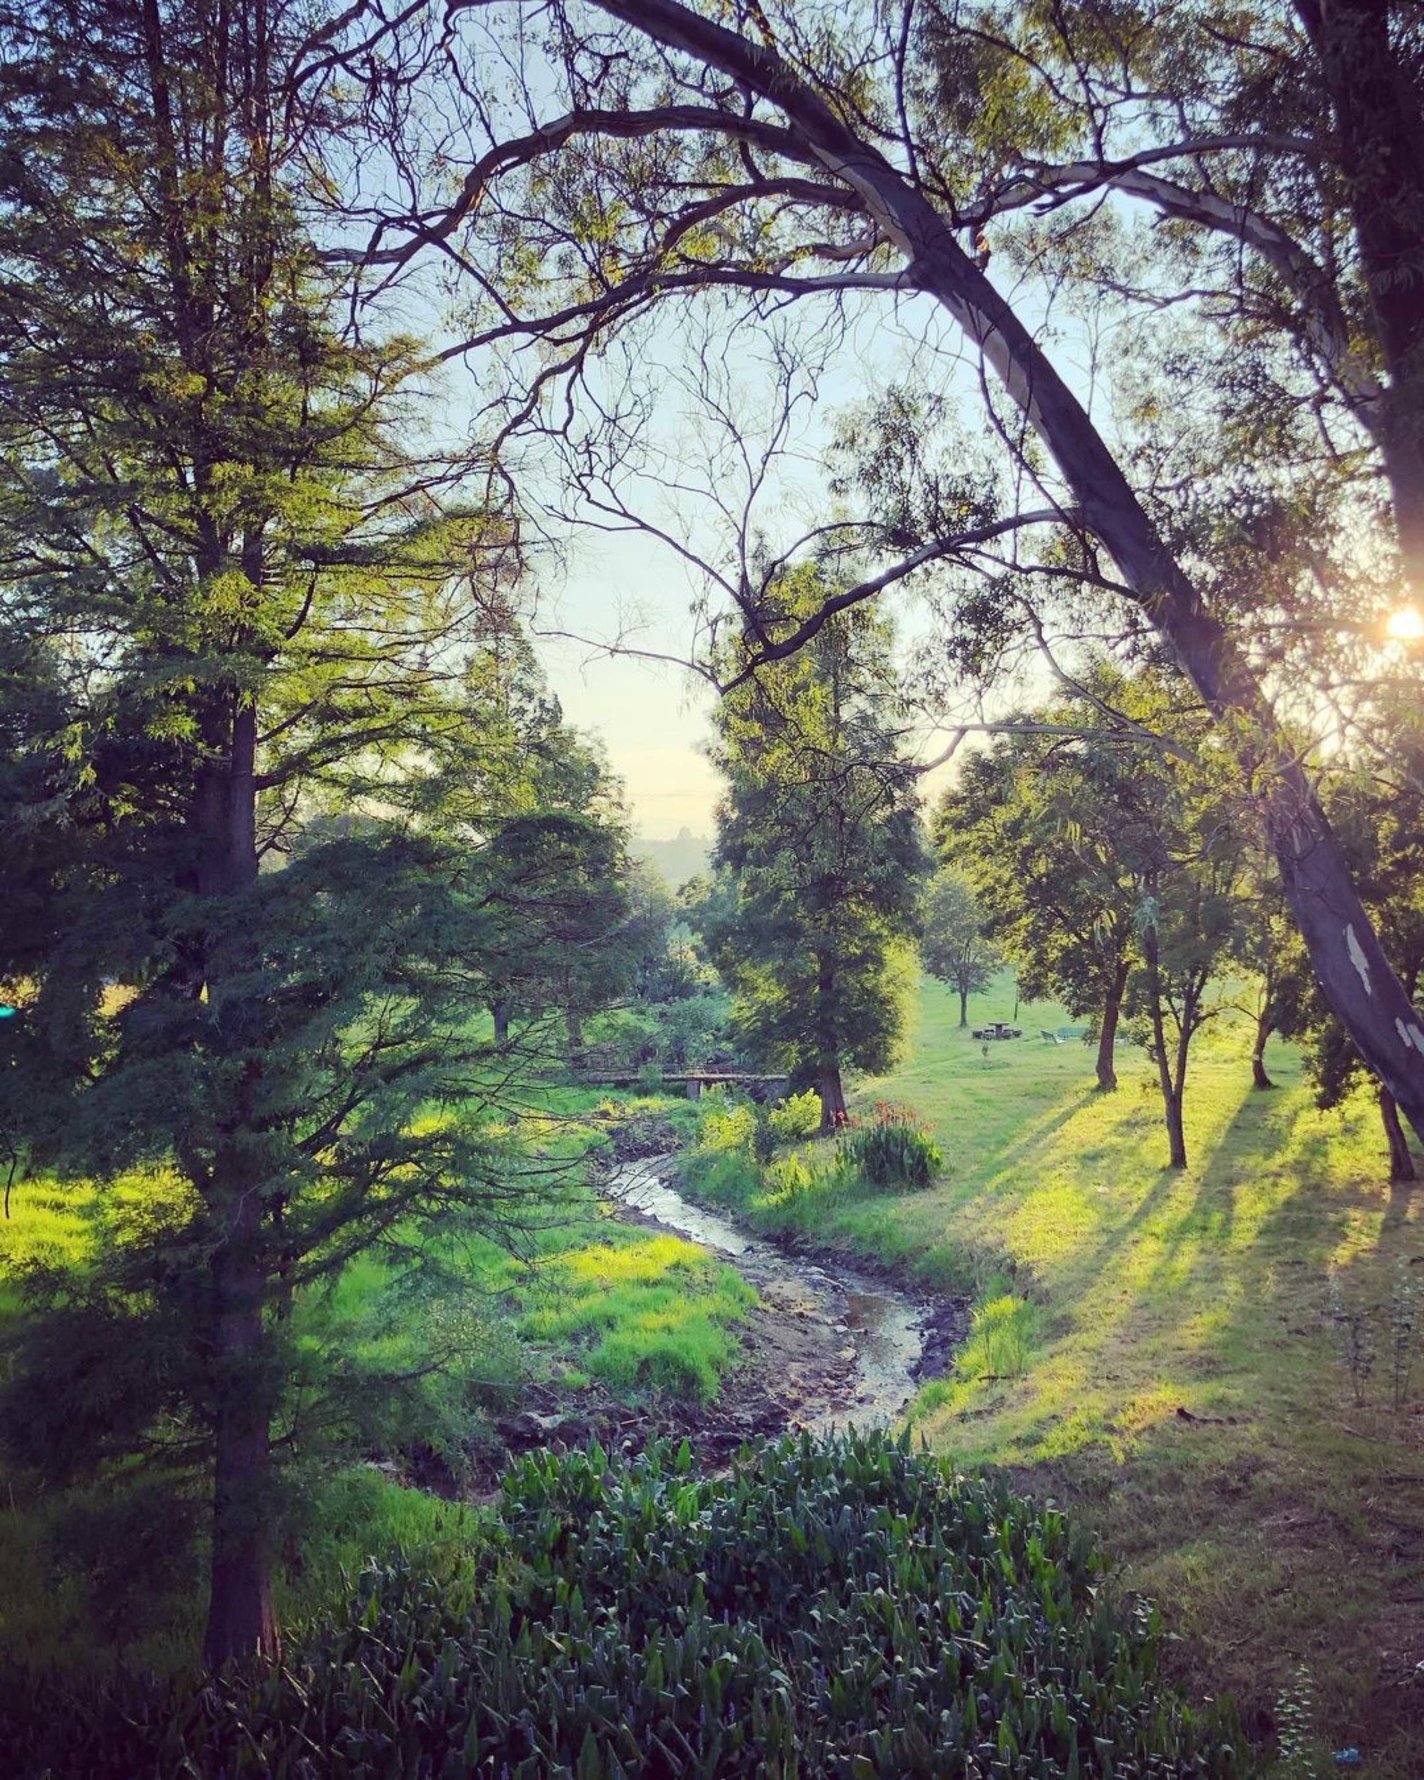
<point>997,1029</point>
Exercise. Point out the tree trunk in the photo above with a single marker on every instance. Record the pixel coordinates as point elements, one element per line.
<point>242,1622</point>
<point>1354,973</point>
<point>964,1007</point>
<point>1176,1131</point>
<point>1265,1026</point>
<point>573,1020</point>
<point>1107,1031</point>
<point>832,1094</point>
<point>1171,1095</point>
<point>1401,1162</point>
<point>500,1009</point>
<point>1380,136</point>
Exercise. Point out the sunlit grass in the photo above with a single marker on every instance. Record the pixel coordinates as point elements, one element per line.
<point>1180,1380</point>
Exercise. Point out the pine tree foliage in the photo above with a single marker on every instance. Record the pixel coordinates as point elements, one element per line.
<point>819,841</point>
<point>272,831</point>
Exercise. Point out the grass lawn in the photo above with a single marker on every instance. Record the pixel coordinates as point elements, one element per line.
<point>1177,1374</point>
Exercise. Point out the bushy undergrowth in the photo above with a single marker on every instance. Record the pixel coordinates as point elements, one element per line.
<point>894,1150</point>
<point>797,1117</point>
<point>837,1609</point>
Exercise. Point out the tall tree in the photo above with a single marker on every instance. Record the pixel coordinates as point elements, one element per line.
<point>1036,820</point>
<point>537,803</point>
<point>954,941</point>
<point>1101,836</point>
<point>247,616</point>
<point>819,840</point>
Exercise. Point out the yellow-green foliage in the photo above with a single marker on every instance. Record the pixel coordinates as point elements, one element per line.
<point>642,1310</point>
<point>797,1117</point>
<point>726,1126</point>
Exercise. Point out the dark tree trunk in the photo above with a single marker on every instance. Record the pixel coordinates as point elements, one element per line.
<point>1401,1162</point>
<point>1166,1079</point>
<point>1176,1131</point>
<point>242,1622</point>
<point>1107,1031</point>
<point>1356,976</point>
<point>573,1020</point>
<point>1380,136</point>
<point>500,1009</point>
<point>964,1007</point>
<point>832,1094</point>
<point>1176,1109</point>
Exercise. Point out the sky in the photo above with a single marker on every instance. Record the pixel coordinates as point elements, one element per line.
<point>625,588</point>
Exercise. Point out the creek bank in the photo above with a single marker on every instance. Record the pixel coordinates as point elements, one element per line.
<point>860,1342</point>
<point>834,1342</point>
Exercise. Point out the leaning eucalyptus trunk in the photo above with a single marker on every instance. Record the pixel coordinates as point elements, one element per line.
<point>1401,1160</point>
<point>1354,973</point>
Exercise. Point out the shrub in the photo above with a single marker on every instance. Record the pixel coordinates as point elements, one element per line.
<point>790,1176</point>
<point>726,1125</point>
<point>797,1117</point>
<point>894,1150</point>
<point>845,1608</point>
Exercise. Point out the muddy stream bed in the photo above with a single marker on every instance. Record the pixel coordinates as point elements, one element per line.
<point>832,1343</point>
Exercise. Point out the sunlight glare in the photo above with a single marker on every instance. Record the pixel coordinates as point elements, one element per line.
<point>1406,625</point>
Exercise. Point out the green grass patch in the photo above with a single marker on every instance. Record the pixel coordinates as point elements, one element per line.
<point>1182,1376</point>
<point>584,1299</point>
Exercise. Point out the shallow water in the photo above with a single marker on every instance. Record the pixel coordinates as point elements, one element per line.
<point>886,1328</point>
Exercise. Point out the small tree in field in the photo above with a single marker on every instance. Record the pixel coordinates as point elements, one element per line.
<point>954,945</point>
<point>819,849</point>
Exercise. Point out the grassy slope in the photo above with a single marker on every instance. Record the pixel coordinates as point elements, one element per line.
<point>642,1312</point>
<point>1184,1384</point>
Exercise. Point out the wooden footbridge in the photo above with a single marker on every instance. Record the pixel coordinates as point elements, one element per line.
<point>760,1087</point>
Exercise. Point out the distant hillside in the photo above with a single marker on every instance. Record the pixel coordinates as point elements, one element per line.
<point>677,860</point>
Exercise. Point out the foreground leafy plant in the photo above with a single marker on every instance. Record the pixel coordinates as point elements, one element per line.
<point>842,1608</point>
<point>895,1150</point>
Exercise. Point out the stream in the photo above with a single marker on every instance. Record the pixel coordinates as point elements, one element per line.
<point>836,1347</point>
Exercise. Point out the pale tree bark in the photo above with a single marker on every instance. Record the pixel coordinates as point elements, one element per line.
<point>1352,967</point>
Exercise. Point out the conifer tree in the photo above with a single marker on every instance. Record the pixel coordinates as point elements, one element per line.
<point>819,838</point>
<point>232,624</point>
